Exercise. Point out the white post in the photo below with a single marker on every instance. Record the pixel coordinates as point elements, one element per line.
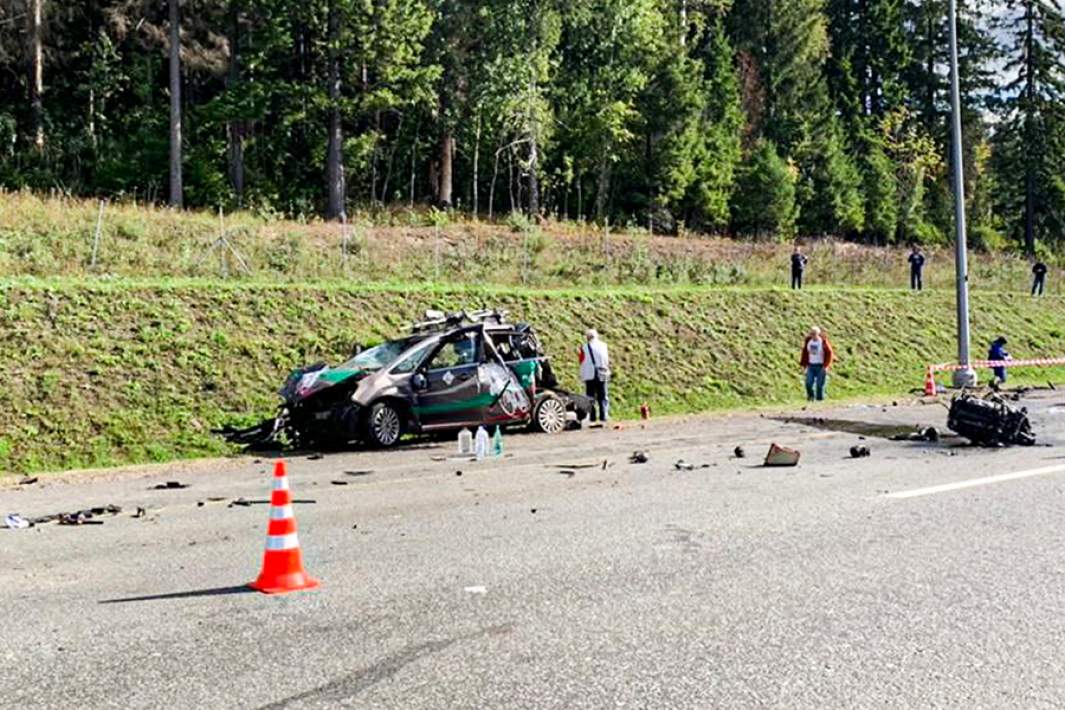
<point>96,237</point>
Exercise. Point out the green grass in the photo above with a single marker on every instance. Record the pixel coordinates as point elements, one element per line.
<point>101,372</point>
<point>52,237</point>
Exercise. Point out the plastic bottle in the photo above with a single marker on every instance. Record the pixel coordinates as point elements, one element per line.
<point>497,442</point>
<point>465,442</point>
<point>480,443</point>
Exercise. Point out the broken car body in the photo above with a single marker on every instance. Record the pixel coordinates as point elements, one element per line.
<point>452,371</point>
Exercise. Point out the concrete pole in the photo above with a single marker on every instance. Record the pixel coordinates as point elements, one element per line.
<point>965,377</point>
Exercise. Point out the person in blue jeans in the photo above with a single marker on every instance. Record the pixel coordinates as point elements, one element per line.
<point>997,353</point>
<point>816,359</point>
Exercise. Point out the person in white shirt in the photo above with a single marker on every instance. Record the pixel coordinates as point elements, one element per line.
<point>595,372</point>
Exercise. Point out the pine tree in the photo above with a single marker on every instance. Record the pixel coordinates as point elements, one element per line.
<point>764,202</point>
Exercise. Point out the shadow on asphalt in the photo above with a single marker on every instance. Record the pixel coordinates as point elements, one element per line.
<point>216,592</point>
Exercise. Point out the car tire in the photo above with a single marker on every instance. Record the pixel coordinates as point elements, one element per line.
<point>384,425</point>
<point>549,415</point>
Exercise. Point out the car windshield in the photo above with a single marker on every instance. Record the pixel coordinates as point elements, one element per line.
<point>379,356</point>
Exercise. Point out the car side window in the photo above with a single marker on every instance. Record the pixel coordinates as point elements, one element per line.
<point>455,353</point>
<point>409,363</point>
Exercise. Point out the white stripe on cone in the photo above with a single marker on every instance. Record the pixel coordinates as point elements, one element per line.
<point>281,484</point>
<point>282,542</point>
<point>283,512</point>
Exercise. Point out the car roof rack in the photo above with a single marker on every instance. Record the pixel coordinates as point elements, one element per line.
<point>440,320</point>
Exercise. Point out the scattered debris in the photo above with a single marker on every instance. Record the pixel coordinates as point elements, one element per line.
<point>27,481</point>
<point>682,465</point>
<point>739,453</point>
<point>169,486</point>
<point>478,589</point>
<point>357,473</point>
<point>859,452</point>
<point>14,521</point>
<point>355,526</point>
<point>930,434</point>
<point>244,502</point>
<point>781,456</point>
<point>141,512</point>
<point>990,421</point>
<point>340,483</point>
<point>567,474</point>
<point>1051,385</point>
<point>533,511</point>
<point>239,502</point>
<point>639,457</point>
<point>315,457</point>
<point>458,473</point>
<point>577,465</point>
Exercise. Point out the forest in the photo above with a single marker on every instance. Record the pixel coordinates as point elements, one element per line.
<point>757,118</point>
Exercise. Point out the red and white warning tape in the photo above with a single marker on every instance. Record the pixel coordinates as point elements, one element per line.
<point>1040,362</point>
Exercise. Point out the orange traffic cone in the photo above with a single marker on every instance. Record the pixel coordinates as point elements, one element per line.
<point>282,563</point>
<point>929,384</point>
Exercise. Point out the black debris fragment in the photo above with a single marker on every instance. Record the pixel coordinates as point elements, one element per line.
<point>339,483</point>
<point>140,512</point>
<point>739,453</point>
<point>357,473</point>
<point>27,481</point>
<point>639,457</point>
<point>169,486</point>
<point>682,465</point>
<point>859,452</point>
<point>930,434</point>
<point>315,457</point>
<point>458,473</point>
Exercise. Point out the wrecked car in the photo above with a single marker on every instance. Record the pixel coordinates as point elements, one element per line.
<point>451,371</point>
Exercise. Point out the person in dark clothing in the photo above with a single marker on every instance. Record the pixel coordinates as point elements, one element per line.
<point>1039,278</point>
<point>997,353</point>
<point>916,267</point>
<point>798,266</point>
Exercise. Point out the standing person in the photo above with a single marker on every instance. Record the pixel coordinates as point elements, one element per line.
<point>916,267</point>
<point>595,371</point>
<point>816,359</point>
<point>997,353</point>
<point>1039,278</point>
<point>798,266</point>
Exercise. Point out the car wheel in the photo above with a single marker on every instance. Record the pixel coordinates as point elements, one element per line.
<point>384,425</point>
<point>549,415</point>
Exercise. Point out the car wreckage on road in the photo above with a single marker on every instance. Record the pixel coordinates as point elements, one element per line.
<point>452,371</point>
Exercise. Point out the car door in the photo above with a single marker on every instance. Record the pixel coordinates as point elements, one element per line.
<point>452,393</point>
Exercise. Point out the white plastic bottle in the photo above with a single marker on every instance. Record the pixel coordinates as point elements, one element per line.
<point>465,442</point>
<point>480,443</point>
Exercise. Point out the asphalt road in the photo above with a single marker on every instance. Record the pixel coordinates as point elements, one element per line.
<point>517,586</point>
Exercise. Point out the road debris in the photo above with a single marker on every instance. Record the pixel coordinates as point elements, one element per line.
<point>781,456</point>
<point>639,457</point>
<point>477,589</point>
<point>340,483</point>
<point>14,521</point>
<point>566,473</point>
<point>140,513</point>
<point>357,473</point>
<point>458,473</point>
<point>739,453</point>
<point>315,457</point>
<point>859,452</point>
<point>169,486</point>
<point>27,481</point>
<point>990,421</point>
<point>930,434</point>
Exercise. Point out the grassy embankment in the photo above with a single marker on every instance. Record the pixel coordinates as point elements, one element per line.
<point>98,373</point>
<point>53,237</point>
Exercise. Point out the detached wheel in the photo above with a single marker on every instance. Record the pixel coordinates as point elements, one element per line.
<point>384,425</point>
<point>549,415</point>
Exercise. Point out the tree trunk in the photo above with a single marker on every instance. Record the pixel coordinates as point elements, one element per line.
<point>236,125</point>
<point>602,189</point>
<point>334,159</point>
<point>534,181</point>
<point>447,153</point>
<point>35,53</point>
<point>176,189</point>
<point>476,192</point>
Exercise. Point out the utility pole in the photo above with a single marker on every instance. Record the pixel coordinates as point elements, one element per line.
<point>965,377</point>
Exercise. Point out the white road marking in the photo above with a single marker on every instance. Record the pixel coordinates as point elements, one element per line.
<point>930,490</point>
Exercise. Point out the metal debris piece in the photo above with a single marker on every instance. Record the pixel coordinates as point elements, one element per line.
<point>27,481</point>
<point>340,483</point>
<point>990,421</point>
<point>739,453</point>
<point>781,456</point>
<point>141,512</point>
<point>639,457</point>
<point>357,473</point>
<point>682,465</point>
<point>930,434</point>
<point>169,486</point>
<point>859,452</point>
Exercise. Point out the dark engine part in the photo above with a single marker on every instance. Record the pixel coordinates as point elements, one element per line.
<point>990,421</point>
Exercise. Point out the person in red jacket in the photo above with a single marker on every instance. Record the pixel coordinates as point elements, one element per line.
<point>816,359</point>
